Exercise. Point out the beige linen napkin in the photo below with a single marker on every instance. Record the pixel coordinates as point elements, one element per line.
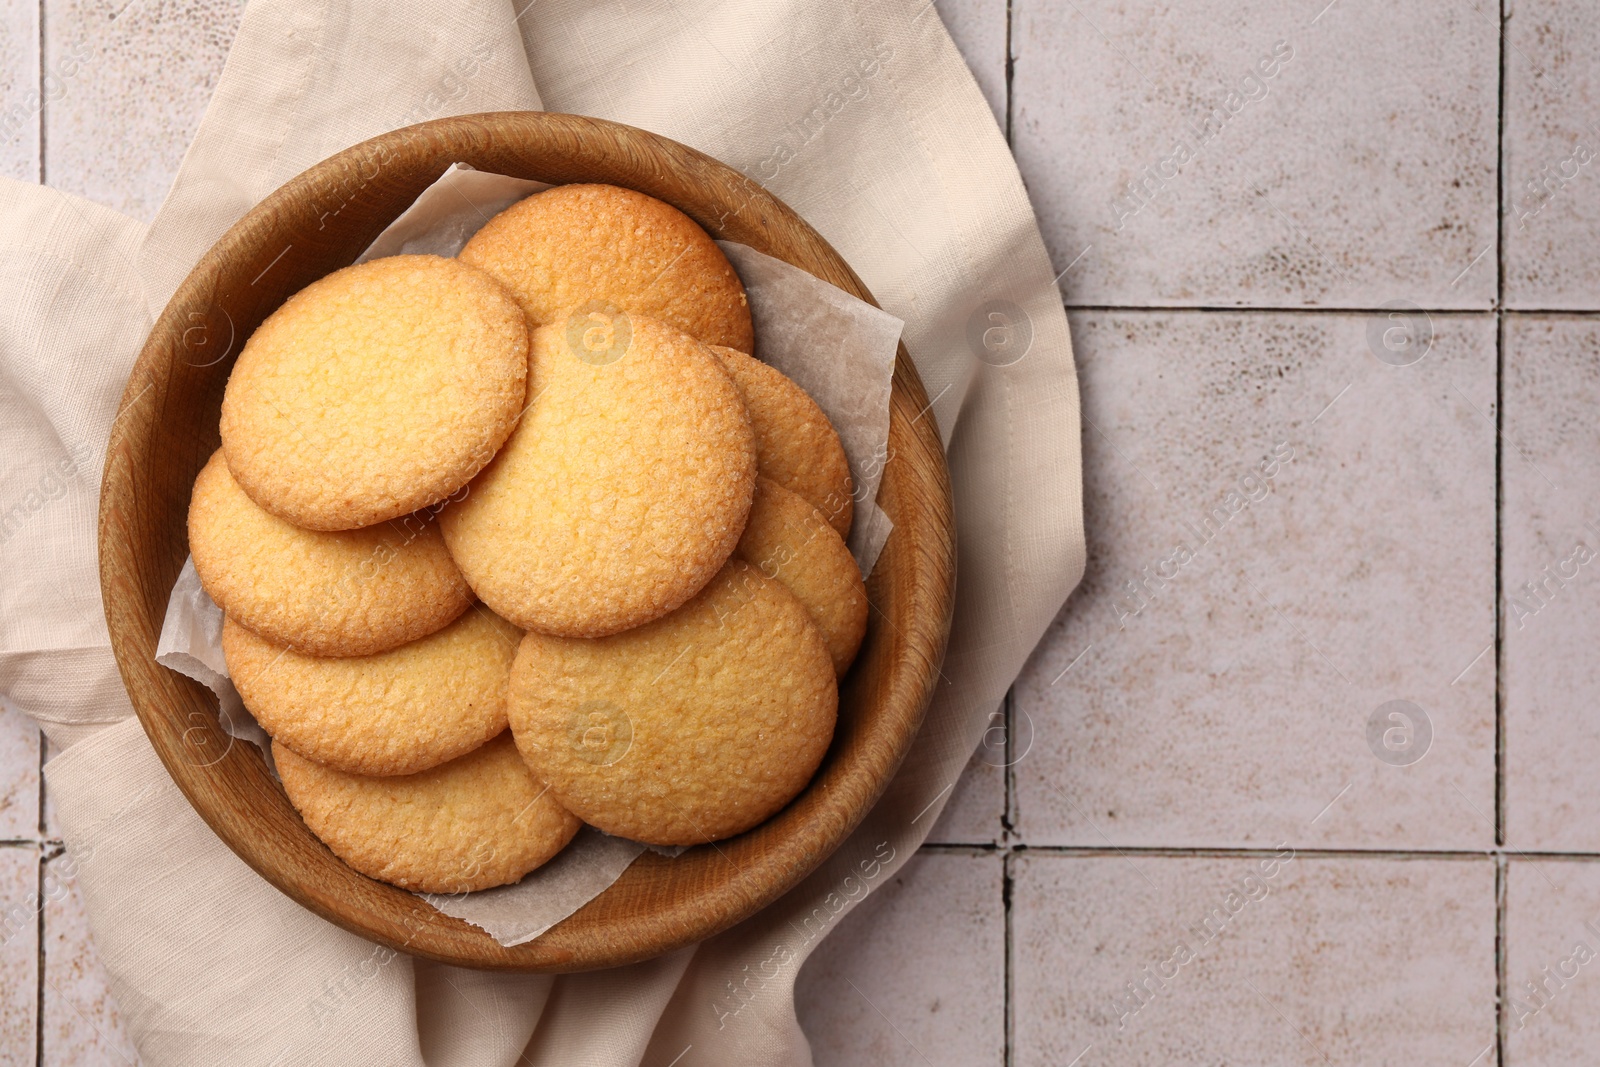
<point>863,117</point>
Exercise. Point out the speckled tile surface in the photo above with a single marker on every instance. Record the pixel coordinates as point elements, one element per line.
<point>1269,959</point>
<point>1552,1010</point>
<point>1552,593</point>
<point>19,776</point>
<point>135,80</point>
<point>1552,151</point>
<point>915,974</point>
<point>975,811</point>
<point>81,1023</point>
<point>19,952</point>
<point>1260,153</point>
<point>21,94</point>
<point>1285,535</point>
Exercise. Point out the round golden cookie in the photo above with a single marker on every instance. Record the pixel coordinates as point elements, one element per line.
<point>398,712</point>
<point>788,539</point>
<point>333,593</point>
<point>693,728</point>
<point>375,392</point>
<point>796,445</point>
<point>573,244</point>
<point>479,821</point>
<point>623,490</point>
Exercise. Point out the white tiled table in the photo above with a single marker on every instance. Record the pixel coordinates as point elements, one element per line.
<point>1241,284</point>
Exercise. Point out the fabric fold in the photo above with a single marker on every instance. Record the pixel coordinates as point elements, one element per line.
<point>864,119</point>
<point>305,80</point>
<point>208,963</point>
<point>70,328</point>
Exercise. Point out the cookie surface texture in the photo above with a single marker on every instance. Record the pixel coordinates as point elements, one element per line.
<point>398,712</point>
<point>693,728</point>
<point>796,445</point>
<point>476,822</point>
<point>339,593</point>
<point>375,392</point>
<point>573,244</point>
<point>623,491</point>
<point>790,540</point>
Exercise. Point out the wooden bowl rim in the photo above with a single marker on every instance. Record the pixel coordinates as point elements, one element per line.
<point>230,786</point>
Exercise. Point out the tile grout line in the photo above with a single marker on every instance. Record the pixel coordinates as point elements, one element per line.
<point>1502,874</point>
<point>1010,72</point>
<point>1499,582</point>
<point>1499,444</point>
<point>43,100</point>
<point>1008,771</point>
<point>44,848</point>
<point>38,1014</point>
<point>1273,309</point>
<point>1007,819</point>
<point>947,848</point>
<point>1501,864</point>
<point>1245,853</point>
<point>1500,165</point>
<point>38,1004</point>
<point>1008,1023</point>
<point>1007,830</point>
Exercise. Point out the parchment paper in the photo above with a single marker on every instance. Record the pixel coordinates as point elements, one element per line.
<point>839,349</point>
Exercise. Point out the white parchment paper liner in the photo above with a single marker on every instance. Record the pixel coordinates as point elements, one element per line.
<point>839,349</point>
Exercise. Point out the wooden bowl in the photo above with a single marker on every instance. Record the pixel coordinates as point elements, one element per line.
<point>167,427</point>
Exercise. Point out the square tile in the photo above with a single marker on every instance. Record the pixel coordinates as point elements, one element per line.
<point>1260,154</point>
<point>137,77</point>
<point>975,813</point>
<point>916,973</point>
<point>1552,153</point>
<point>978,28</point>
<point>1550,581</point>
<point>1268,959</point>
<point>1552,1005</point>
<point>22,97</point>
<point>82,1024</point>
<point>1285,534</point>
<point>19,776</point>
<point>19,952</point>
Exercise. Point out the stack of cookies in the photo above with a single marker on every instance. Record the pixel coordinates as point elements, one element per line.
<point>527,539</point>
